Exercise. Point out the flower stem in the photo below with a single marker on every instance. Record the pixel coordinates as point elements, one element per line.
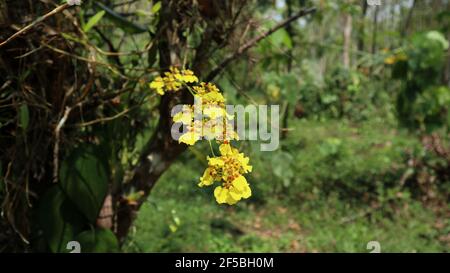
<point>210,146</point>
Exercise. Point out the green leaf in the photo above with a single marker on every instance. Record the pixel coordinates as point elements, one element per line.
<point>98,241</point>
<point>24,116</point>
<point>156,7</point>
<point>59,219</point>
<point>93,21</point>
<point>281,162</point>
<point>70,37</point>
<point>281,37</point>
<point>84,179</point>
<point>438,37</point>
<point>121,21</point>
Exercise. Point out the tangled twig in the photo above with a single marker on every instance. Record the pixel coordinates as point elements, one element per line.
<point>227,60</point>
<point>34,23</point>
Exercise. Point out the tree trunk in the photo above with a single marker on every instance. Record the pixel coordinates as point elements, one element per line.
<point>347,40</point>
<point>362,27</point>
<point>161,150</point>
<point>404,30</point>
<point>375,30</point>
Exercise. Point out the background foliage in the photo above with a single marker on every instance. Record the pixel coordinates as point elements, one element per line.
<point>365,153</point>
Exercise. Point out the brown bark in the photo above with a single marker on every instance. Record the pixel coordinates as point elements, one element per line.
<point>161,150</point>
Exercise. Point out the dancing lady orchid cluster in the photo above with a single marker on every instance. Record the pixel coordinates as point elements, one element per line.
<point>229,168</point>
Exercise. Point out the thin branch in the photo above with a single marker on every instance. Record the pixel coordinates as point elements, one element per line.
<point>118,115</point>
<point>56,147</point>
<point>112,49</point>
<point>34,23</point>
<point>111,67</point>
<point>216,71</point>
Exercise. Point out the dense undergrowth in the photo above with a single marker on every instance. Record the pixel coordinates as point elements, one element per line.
<point>341,188</point>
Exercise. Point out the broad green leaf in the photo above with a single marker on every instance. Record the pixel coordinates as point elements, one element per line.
<point>83,177</point>
<point>121,21</point>
<point>93,21</point>
<point>437,36</point>
<point>59,219</point>
<point>281,37</point>
<point>24,116</point>
<point>98,241</point>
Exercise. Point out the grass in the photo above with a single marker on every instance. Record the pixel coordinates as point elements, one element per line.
<point>311,211</point>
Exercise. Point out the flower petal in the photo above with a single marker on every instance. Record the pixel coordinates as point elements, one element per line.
<point>206,179</point>
<point>225,149</point>
<point>189,138</point>
<point>221,194</point>
<point>240,183</point>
